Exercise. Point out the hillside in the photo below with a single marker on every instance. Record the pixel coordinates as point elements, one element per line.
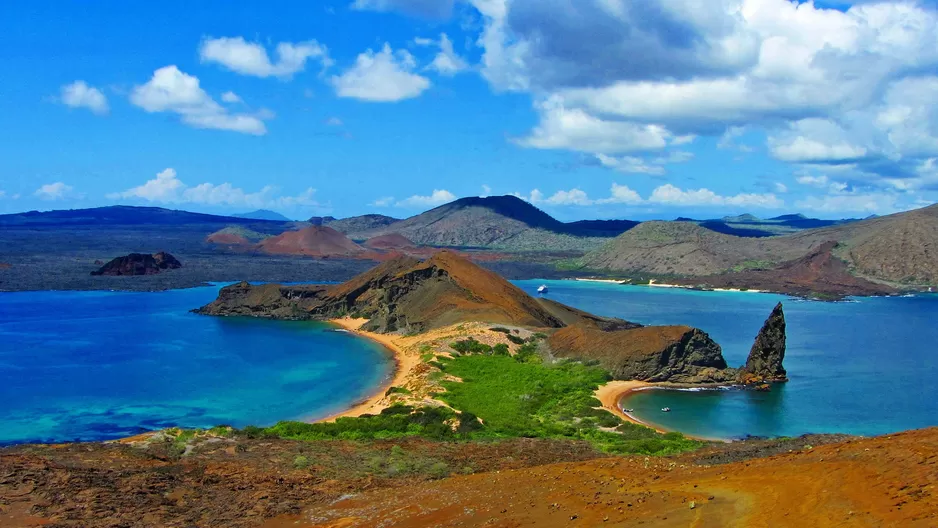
<point>503,222</point>
<point>901,248</point>
<point>355,225</point>
<point>313,241</point>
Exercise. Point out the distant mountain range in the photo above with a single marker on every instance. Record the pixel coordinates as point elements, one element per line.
<point>263,214</point>
<point>901,249</point>
<point>124,215</point>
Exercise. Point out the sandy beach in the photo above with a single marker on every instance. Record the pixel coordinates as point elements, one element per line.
<point>610,394</point>
<point>404,365</point>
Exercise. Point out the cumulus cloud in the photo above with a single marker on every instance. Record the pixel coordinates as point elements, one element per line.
<point>231,97</point>
<point>862,203</point>
<point>80,95</point>
<point>166,187</point>
<point>437,197</point>
<point>251,58</point>
<point>827,86</point>
<point>383,76</point>
<point>447,62</point>
<point>55,191</point>
<point>669,194</point>
<point>654,165</point>
<point>618,194</point>
<point>424,8</point>
<point>171,90</point>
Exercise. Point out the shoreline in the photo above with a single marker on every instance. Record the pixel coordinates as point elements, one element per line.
<point>613,393</point>
<point>403,366</point>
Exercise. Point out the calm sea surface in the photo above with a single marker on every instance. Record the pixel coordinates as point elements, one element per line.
<point>868,366</point>
<point>102,365</point>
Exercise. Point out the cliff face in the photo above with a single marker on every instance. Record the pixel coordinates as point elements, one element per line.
<point>678,354</point>
<point>768,352</point>
<point>139,264</point>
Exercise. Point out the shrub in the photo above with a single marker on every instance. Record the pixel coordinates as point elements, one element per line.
<point>439,470</point>
<point>500,349</point>
<point>301,462</point>
<point>500,329</point>
<point>515,339</point>
<point>471,346</point>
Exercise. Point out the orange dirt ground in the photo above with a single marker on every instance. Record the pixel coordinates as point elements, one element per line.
<point>878,482</point>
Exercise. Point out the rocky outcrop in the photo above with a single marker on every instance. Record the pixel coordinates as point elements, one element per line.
<point>139,264</point>
<point>678,354</point>
<point>768,352</point>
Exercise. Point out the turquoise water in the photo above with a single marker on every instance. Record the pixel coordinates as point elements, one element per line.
<point>868,366</point>
<point>103,365</point>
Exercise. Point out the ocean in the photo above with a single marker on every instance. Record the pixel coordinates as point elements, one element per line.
<point>866,366</point>
<point>104,365</point>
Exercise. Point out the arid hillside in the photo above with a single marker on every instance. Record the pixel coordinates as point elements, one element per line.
<point>313,241</point>
<point>900,249</point>
<point>883,481</point>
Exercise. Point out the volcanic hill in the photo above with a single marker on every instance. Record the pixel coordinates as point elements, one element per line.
<point>409,296</point>
<point>505,222</point>
<point>139,264</point>
<point>313,241</point>
<point>899,249</point>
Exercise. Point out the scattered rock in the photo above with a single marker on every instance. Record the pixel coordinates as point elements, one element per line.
<point>139,264</point>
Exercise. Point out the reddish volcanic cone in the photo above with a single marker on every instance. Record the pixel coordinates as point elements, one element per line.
<point>314,241</point>
<point>389,242</point>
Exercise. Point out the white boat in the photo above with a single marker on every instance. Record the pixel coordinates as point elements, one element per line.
<point>665,409</point>
<point>542,288</point>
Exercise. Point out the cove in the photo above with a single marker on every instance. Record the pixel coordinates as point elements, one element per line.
<point>867,366</point>
<point>103,365</point>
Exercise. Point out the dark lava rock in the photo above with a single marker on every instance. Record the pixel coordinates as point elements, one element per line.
<point>768,352</point>
<point>139,264</point>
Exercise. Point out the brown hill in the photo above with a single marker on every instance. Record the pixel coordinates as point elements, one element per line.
<point>235,236</point>
<point>313,241</point>
<point>407,295</point>
<point>400,294</point>
<point>354,226</point>
<point>819,273</point>
<point>900,248</point>
<point>389,242</point>
<point>504,222</point>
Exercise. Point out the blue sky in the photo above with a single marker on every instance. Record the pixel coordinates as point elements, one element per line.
<point>588,109</point>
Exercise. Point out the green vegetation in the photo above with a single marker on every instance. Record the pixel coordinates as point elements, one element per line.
<point>515,339</point>
<point>397,390</point>
<point>301,462</point>
<point>513,396</point>
<point>471,346</point>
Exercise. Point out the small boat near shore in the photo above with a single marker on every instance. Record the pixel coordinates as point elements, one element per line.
<point>665,409</point>
<point>542,289</point>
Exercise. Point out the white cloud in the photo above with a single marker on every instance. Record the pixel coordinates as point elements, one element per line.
<point>384,201</point>
<point>423,8</point>
<point>618,194</point>
<point>334,121</point>
<point>819,180</point>
<point>55,191</point>
<point>167,188</point>
<point>575,129</point>
<point>447,62</point>
<point>250,58</point>
<point>384,76</point>
<point>630,164</point>
<point>829,86</point>
<point>669,194</point>
<point>486,190</point>
<point>80,95</point>
<point>780,187</point>
<point>231,97</point>
<point>437,197</point>
<point>171,90</point>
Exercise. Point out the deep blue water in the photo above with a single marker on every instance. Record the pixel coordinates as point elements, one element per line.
<point>865,367</point>
<point>103,365</point>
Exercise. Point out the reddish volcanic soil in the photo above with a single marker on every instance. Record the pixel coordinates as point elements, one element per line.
<point>314,241</point>
<point>886,481</point>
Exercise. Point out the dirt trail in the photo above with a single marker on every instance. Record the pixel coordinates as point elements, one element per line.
<point>885,481</point>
